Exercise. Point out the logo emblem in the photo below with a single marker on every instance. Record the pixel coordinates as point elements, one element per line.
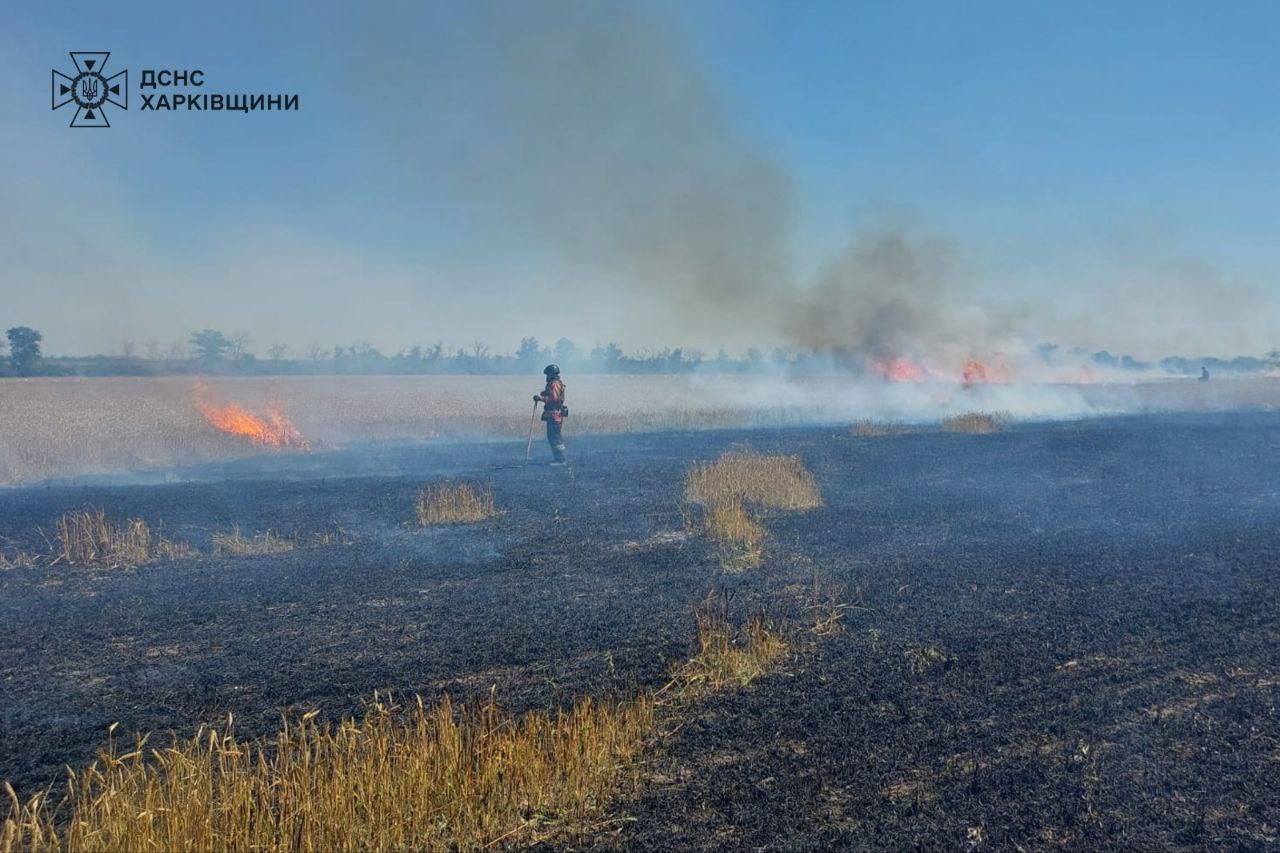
<point>90,89</point>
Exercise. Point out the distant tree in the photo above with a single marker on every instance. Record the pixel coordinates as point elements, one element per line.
<point>607,357</point>
<point>239,349</point>
<point>365,350</point>
<point>316,353</point>
<point>277,351</point>
<point>152,346</point>
<point>24,348</point>
<point>566,351</point>
<point>210,345</point>
<point>176,351</point>
<point>479,350</point>
<point>529,351</point>
<point>360,357</point>
<point>127,348</point>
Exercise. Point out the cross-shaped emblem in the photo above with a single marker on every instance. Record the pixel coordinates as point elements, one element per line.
<point>90,89</point>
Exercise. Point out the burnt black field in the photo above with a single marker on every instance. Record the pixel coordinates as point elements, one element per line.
<point>1104,596</point>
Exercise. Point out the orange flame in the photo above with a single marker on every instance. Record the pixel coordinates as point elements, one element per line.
<point>975,371</point>
<point>900,370</point>
<point>276,431</point>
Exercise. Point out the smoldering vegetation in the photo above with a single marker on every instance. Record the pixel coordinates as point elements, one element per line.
<point>57,428</point>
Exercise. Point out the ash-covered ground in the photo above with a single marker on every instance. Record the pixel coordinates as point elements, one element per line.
<point>1063,634</point>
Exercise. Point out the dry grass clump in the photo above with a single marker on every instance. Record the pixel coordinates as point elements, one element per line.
<point>422,778</point>
<point>727,656</point>
<point>974,423</point>
<point>724,489</point>
<point>461,503</point>
<point>88,537</point>
<point>825,606</point>
<point>739,538</point>
<point>335,535</point>
<point>169,549</point>
<point>16,560</point>
<point>876,429</point>
<point>236,544</point>
<point>777,482</point>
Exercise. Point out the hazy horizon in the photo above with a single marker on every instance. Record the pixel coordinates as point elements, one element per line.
<point>925,181</point>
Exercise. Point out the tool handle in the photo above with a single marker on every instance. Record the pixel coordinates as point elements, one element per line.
<point>528,446</point>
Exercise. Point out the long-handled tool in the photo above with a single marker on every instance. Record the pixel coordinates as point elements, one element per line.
<point>528,447</point>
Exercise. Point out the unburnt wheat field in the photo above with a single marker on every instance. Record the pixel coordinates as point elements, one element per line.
<point>317,614</point>
<point>70,427</point>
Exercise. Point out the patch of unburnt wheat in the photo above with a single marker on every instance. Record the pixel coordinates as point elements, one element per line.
<point>450,503</point>
<point>975,423</point>
<point>721,495</point>
<point>425,777</point>
<point>726,655</point>
<point>877,429</point>
<point>88,537</point>
<point>739,538</point>
<point>236,544</point>
<point>335,535</point>
<point>776,482</point>
<point>421,777</point>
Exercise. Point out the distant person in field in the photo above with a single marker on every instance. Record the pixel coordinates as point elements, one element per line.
<point>1204,374</point>
<point>553,411</point>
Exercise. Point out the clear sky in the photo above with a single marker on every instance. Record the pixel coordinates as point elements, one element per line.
<point>1101,173</point>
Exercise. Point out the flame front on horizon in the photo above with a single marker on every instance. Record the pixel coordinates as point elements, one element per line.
<point>900,370</point>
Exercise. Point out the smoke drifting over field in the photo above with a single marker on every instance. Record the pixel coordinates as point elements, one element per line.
<point>588,137</point>
<point>597,170</point>
<point>596,137</point>
<point>588,140</point>
<point>889,296</point>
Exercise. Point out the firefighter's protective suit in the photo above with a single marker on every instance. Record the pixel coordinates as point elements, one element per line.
<point>553,412</point>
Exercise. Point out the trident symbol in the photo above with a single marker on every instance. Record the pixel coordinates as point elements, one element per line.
<point>90,89</point>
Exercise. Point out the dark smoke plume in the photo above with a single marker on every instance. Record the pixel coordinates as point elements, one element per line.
<point>588,138</point>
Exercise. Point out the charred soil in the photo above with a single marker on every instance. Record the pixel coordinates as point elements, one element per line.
<point>1057,635</point>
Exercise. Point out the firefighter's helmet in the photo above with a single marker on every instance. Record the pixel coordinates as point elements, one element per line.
<point>551,370</point>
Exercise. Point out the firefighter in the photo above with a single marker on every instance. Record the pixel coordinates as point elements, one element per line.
<point>553,411</point>
<point>1204,374</point>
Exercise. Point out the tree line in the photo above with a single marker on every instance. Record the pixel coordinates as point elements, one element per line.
<point>212,351</point>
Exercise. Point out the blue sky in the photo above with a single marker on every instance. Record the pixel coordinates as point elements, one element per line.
<point>1109,168</point>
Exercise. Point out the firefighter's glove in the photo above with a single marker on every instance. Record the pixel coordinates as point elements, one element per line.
<point>537,398</point>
